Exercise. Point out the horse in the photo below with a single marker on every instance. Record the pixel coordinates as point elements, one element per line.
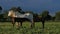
<point>18,17</point>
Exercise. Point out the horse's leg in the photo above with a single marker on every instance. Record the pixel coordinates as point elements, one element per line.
<point>13,22</point>
<point>43,23</point>
<point>18,25</point>
<point>32,24</point>
<point>21,24</point>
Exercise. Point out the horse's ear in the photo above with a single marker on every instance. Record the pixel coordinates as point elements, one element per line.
<point>0,8</point>
<point>19,8</point>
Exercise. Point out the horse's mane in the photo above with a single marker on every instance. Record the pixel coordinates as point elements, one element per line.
<point>21,12</point>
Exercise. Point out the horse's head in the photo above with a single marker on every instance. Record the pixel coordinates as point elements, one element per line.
<point>11,13</point>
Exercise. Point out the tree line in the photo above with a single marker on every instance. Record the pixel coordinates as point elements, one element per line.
<point>37,17</point>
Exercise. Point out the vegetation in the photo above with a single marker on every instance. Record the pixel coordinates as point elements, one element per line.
<point>57,16</point>
<point>50,28</point>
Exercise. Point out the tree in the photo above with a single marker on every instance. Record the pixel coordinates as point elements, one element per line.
<point>1,15</point>
<point>57,16</point>
<point>13,8</point>
<point>19,9</point>
<point>45,13</point>
<point>5,15</point>
<point>48,17</point>
<point>53,18</point>
<point>0,8</point>
<point>29,12</point>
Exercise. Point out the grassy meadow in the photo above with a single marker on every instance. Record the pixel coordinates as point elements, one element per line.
<point>50,28</point>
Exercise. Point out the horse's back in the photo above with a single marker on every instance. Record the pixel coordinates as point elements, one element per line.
<point>26,15</point>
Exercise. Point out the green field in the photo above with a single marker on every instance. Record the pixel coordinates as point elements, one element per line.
<point>50,28</point>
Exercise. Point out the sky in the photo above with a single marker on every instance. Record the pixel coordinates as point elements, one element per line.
<point>36,6</point>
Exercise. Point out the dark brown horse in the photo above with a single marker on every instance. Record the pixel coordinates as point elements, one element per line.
<point>43,21</point>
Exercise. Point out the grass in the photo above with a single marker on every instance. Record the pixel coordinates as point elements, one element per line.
<point>50,28</point>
